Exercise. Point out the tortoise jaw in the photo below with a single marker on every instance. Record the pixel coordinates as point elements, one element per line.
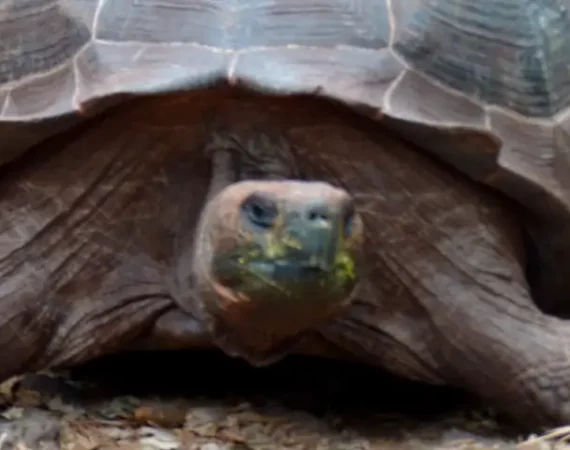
<point>288,273</point>
<point>295,279</point>
<point>265,304</point>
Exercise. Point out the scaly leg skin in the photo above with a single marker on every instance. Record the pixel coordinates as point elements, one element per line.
<point>90,232</point>
<point>444,297</point>
<point>476,327</point>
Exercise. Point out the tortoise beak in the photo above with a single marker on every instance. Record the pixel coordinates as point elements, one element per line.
<point>313,232</point>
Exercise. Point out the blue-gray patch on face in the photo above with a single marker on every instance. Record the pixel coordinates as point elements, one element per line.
<point>282,271</point>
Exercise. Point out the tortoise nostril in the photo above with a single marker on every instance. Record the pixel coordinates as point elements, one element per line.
<point>260,210</point>
<point>317,211</point>
<point>322,212</point>
<point>318,214</point>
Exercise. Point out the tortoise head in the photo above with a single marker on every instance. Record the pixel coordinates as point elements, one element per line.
<point>275,259</point>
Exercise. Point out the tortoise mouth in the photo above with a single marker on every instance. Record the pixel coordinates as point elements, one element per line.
<point>295,276</point>
<point>284,271</point>
<point>263,305</point>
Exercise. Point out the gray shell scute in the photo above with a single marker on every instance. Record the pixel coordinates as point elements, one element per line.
<point>36,36</point>
<point>512,53</point>
<point>355,77</point>
<point>167,68</point>
<point>51,94</point>
<point>239,24</point>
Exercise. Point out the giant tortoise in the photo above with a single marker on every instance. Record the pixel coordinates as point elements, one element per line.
<point>374,180</point>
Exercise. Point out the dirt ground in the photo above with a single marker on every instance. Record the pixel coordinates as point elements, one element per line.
<point>192,401</point>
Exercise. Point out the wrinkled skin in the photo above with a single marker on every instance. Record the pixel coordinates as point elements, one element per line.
<point>101,229</point>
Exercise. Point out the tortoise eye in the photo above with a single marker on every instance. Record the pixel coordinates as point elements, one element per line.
<point>260,210</point>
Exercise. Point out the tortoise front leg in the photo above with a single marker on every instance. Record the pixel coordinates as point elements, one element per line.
<point>496,344</point>
<point>463,315</point>
<point>487,339</point>
<point>445,300</point>
<point>491,340</point>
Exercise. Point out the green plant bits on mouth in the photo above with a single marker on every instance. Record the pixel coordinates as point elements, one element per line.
<point>278,247</point>
<point>251,254</point>
<point>275,249</point>
<point>279,268</point>
<point>345,269</point>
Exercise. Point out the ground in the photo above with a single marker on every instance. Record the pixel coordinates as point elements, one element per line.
<point>191,401</point>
